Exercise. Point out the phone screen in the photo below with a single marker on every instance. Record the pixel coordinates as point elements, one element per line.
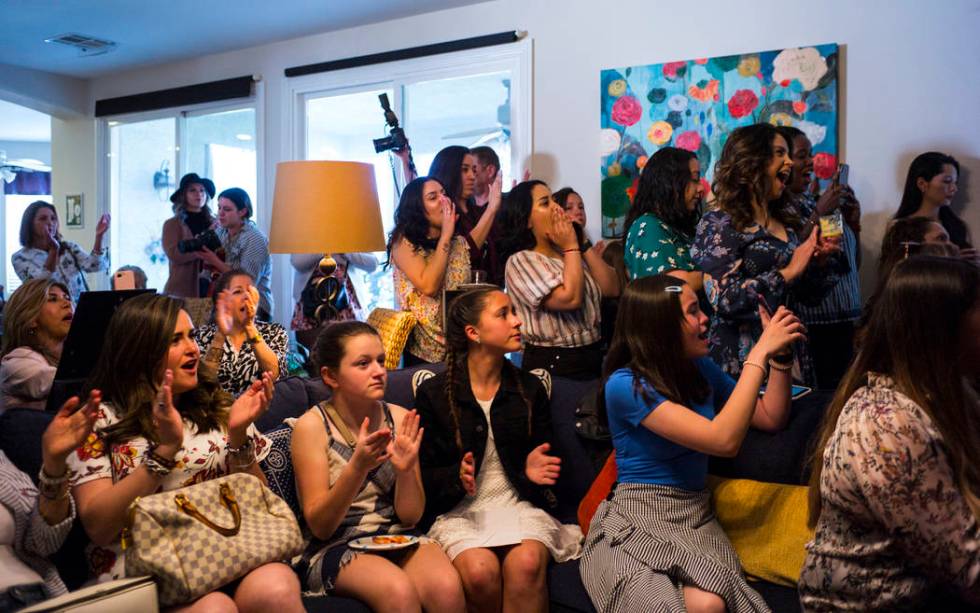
<point>842,174</point>
<point>124,279</point>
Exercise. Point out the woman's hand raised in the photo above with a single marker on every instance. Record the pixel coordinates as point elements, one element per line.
<point>780,331</point>
<point>67,431</point>
<point>248,407</point>
<point>168,425</point>
<point>403,449</point>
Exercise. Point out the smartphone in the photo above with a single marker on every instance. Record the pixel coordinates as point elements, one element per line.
<point>796,391</point>
<point>124,279</point>
<point>843,170</point>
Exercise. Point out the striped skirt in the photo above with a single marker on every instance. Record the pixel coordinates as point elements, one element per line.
<point>649,541</point>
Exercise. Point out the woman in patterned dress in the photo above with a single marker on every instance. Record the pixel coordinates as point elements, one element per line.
<point>163,426</point>
<point>749,249</point>
<point>486,461</point>
<point>663,217</point>
<point>236,345</point>
<point>357,475</point>
<point>429,258</point>
<point>655,545</point>
<point>895,487</point>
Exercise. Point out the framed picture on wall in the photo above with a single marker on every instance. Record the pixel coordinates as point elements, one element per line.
<point>74,211</point>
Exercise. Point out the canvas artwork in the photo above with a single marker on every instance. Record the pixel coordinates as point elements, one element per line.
<point>695,104</point>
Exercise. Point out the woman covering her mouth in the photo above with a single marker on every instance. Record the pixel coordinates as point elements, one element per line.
<point>750,250</point>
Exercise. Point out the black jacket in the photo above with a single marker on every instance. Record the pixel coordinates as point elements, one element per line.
<point>440,458</point>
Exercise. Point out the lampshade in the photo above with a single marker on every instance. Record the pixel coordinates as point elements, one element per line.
<point>325,207</point>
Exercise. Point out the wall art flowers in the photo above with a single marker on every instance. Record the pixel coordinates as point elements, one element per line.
<point>695,104</point>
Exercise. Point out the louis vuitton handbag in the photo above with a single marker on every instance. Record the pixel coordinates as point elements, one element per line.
<point>196,539</point>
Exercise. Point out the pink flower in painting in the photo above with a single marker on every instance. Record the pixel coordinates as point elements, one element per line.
<point>671,68</point>
<point>702,60</point>
<point>824,165</point>
<point>742,103</point>
<point>626,111</point>
<point>799,107</point>
<point>689,140</point>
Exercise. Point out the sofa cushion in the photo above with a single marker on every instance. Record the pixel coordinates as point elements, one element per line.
<point>293,396</point>
<point>278,467</point>
<point>20,438</point>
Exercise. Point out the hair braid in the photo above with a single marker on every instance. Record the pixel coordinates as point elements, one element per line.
<point>452,364</point>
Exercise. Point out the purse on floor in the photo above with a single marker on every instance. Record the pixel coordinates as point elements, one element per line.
<point>196,539</point>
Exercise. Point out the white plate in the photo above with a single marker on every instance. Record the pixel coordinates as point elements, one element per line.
<point>366,543</point>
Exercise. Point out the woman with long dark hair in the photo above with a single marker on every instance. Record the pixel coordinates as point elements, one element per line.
<point>357,475</point>
<point>44,254</point>
<point>929,189</point>
<point>429,258</point>
<point>669,407</point>
<point>665,212</point>
<point>749,249</point>
<point>164,425</point>
<point>456,168</point>
<point>895,485</point>
<point>555,285</point>
<point>486,462</point>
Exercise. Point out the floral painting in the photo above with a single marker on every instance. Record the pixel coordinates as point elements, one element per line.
<point>694,104</point>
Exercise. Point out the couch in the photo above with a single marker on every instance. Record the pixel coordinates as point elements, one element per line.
<point>776,458</point>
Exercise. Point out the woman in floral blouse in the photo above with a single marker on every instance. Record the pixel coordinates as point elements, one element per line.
<point>235,343</point>
<point>749,249</point>
<point>429,258</point>
<point>162,426</point>
<point>895,488</point>
<point>663,217</point>
<point>46,255</point>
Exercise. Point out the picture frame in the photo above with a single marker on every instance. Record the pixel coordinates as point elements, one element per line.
<point>74,211</point>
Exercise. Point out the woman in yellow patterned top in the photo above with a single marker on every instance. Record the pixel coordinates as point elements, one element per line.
<point>428,259</point>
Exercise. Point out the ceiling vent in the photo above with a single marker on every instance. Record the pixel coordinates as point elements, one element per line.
<point>86,45</point>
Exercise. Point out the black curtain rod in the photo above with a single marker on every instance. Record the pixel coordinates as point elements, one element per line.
<point>475,42</point>
<point>227,89</point>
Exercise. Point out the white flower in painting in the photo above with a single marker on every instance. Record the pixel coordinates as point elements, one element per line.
<point>806,65</point>
<point>677,103</point>
<point>815,132</point>
<point>609,140</point>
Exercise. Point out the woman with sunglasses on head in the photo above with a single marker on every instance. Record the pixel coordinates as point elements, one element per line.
<point>655,543</point>
<point>36,322</point>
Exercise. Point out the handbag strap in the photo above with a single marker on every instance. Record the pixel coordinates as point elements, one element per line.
<point>330,414</point>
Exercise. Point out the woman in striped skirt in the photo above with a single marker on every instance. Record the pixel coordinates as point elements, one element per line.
<point>655,544</point>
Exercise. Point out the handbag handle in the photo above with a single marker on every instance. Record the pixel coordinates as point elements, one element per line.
<point>227,499</point>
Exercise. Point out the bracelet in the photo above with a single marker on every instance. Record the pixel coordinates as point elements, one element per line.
<point>50,487</point>
<point>247,447</point>
<point>570,250</point>
<point>757,365</point>
<point>152,464</point>
<point>254,340</point>
<point>780,367</point>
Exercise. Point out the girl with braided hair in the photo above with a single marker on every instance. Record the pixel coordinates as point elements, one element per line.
<point>486,463</point>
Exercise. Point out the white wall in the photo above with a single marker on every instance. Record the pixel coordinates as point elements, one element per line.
<point>909,78</point>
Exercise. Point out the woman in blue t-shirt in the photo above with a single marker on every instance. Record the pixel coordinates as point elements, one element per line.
<point>655,543</point>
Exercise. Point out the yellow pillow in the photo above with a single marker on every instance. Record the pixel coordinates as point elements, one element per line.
<point>394,328</point>
<point>766,523</point>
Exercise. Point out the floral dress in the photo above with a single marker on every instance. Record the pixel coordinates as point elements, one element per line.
<point>427,341</point>
<point>73,262</point>
<point>203,457</point>
<point>653,247</point>
<point>894,525</point>
<point>239,368</point>
<point>741,266</point>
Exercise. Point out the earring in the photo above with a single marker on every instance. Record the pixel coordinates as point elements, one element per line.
<point>32,331</point>
<point>478,341</point>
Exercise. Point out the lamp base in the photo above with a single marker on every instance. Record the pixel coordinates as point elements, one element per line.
<point>328,265</point>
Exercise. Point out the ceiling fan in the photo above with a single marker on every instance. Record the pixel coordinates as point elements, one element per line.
<point>10,168</point>
<point>489,134</point>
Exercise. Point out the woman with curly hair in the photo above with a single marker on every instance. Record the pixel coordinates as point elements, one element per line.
<point>749,249</point>
<point>660,224</point>
<point>429,258</point>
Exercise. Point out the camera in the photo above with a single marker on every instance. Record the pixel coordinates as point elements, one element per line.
<point>396,139</point>
<point>208,238</point>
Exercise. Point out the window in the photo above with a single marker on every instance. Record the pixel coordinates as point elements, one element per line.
<point>470,99</point>
<point>147,157</point>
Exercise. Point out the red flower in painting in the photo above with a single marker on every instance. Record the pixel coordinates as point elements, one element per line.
<point>671,68</point>
<point>824,165</point>
<point>631,190</point>
<point>689,140</point>
<point>799,107</point>
<point>742,103</point>
<point>626,111</point>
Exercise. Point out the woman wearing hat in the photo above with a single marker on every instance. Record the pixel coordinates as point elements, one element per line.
<point>192,217</point>
<point>245,246</point>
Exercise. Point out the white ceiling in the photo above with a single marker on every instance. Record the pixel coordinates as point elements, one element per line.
<point>154,32</point>
<point>18,123</point>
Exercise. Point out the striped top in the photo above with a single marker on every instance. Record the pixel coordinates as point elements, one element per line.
<point>843,301</point>
<point>249,250</point>
<point>530,278</point>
